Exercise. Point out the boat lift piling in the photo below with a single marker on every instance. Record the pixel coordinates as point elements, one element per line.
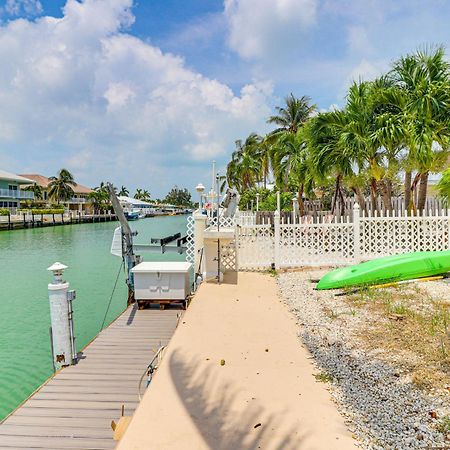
<point>61,313</point>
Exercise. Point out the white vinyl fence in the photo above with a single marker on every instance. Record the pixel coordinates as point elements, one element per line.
<point>325,242</point>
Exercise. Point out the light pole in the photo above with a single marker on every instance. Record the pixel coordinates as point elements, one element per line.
<point>257,201</point>
<point>200,189</point>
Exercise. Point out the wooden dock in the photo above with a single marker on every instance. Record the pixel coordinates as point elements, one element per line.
<point>74,409</point>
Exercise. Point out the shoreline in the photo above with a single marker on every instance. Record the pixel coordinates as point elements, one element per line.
<point>52,220</point>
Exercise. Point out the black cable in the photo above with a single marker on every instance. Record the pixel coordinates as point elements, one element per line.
<point>110,298</point>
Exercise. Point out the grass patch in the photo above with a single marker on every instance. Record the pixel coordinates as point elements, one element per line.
<point>323,377</point>
<point>443,425</point>
<point>410,327</point>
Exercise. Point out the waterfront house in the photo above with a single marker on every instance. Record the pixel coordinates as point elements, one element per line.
<point>79,202</point>
<point>11,193</point>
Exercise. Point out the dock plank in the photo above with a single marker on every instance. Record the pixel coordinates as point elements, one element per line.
<point>74,409</point>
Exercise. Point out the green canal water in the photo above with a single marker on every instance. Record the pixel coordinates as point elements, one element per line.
<point>25,354</point>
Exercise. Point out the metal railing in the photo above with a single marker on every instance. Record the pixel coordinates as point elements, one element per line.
<point>12,193</point>
<point>77,200</point>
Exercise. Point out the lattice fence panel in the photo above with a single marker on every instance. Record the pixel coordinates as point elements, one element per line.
<point>393,235</point>
<point>255,247</point>
<point>316,244</point>
<point>190,241</point>
<point>228,256</point>
<point>224,222</point>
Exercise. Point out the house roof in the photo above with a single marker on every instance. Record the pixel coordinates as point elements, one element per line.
<point>4,175</point>
<point>43,181</point>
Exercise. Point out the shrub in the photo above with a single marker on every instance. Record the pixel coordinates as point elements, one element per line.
<point>47,211</point>
<point>4,212</point>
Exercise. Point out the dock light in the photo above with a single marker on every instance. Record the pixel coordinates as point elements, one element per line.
<point>57,268</point>
<point>200,189</point>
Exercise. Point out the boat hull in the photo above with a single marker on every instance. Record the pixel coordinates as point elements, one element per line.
<point>389,269</point>
<point>132,215</point>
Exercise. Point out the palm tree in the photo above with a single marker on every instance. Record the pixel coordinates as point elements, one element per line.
<point>289,119</point>
<point>145,196</point>
<point>36,190</point>
<point>444,185</point>
<point>142,194</point>
<point>244,170</point>
<point>99,198</point>
<point>292,158</point>
<point>293,115</point>
<point>61,186</point>
<point>424,78</point>
<point>332,157</point>
<point>124,191</point>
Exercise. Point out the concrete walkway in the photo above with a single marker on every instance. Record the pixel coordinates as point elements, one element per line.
<point>264,396</point>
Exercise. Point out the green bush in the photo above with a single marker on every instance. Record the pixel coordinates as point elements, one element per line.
<point>4,212</point>
<point>47,211</point>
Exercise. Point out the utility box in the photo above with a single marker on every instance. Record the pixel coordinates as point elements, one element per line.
<point>161,282</point>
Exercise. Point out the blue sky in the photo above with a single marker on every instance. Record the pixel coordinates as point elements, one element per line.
<point>147,93</point>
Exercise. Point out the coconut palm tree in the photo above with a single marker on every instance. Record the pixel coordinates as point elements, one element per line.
<point>61,187</point>
<point>289,119</point>
<point>36,190</point>
<point>444,185</point>
<point>291,116</point>
<point>99,198</point>
<point>124,191</point>
<point>244,169</point>
<point>292,158</point>
<point>145,195</point>
<point>424,78</point>
<point>331,157</point>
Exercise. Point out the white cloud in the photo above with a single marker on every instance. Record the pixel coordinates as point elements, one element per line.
<point>80,91</point>
<point>259,29</point>
<point>27,7</point>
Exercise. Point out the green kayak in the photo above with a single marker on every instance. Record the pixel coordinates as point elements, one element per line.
<point>407,266</point>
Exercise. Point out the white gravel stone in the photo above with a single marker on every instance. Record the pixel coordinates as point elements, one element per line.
<point>382,409</point>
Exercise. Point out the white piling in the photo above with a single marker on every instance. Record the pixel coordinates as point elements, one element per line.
<point>63,340</point>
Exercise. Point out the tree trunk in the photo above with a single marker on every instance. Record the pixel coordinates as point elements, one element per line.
<point>422,191</point>
<point>385,193</point>
<point>412,203</point>
<point>301,205</point>
<point>360,198</point>
<point>408,177</point>
<point>373,194</point>
<point>336,193</point>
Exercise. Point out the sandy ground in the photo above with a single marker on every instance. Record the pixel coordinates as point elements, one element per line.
<point>235,377</point>
<point>371,348</point>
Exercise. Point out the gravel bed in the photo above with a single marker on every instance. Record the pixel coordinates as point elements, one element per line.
<point>381,408</point>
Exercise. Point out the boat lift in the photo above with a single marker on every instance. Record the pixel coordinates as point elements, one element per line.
<point>124,247</point>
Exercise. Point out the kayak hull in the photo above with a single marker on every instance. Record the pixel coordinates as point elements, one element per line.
<point>407,266</point>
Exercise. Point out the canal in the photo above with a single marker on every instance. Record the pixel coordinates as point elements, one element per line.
<point>25,353</point>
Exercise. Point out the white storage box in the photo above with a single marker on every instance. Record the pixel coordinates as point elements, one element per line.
<point>161,280</point>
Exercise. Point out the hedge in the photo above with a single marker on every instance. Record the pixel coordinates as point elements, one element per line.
<point>4,212</point>
<point>40,211</point>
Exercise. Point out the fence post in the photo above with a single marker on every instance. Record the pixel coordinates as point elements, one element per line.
<point>448,221</point>
<point>276,240</point>
<point>356,233</point>
<point>199,228</point>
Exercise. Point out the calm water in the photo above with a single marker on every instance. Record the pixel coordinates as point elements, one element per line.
<point>25,355</point>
